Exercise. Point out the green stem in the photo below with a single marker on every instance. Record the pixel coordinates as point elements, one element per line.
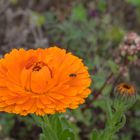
<point>115,121</point>
<point>46,120</point>
<point>47,131</point>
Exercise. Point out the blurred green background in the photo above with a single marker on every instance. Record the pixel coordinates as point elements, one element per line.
<point>92,30</point>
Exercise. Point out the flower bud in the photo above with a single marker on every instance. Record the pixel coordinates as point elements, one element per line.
<point>125,96</point>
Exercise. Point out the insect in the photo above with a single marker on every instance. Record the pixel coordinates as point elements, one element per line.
<point>72,75</point>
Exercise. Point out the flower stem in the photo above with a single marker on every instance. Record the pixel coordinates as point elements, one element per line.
<point>115,121</point>
<point>47,131</point>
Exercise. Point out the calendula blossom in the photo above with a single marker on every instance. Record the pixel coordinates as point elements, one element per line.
<point>42,81</point>
<point>126,89</point>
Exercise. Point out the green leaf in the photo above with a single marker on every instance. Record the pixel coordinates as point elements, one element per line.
<point>37,19</point>
<point>120,124</point>
<point>99,80</point>
<point>78,114</point>
<point>113,66</point>
<point>94,135</point>
<point>50,16</point>
<point>134,2</point>
<point>6,123</point>
<point>115,34</point>
<point>49,133</point>
<point>67,134</point>
<point>37,119</point>
<point>44,123</point>
<point>107,90</point>
<point>101,5</point>
<point>79,13</point>
<point>69,125</point>
<point>56,124</point>
<point>65,123</point>
<point>42,137</point>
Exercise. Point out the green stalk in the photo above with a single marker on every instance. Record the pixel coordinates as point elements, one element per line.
<point>47,131</point>
<point>115,121</point>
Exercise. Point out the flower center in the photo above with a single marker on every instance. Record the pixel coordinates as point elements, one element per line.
<point>126,86</point>
<point>37,66</point>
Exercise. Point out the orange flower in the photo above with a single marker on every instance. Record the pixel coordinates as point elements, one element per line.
<point>42,81</point>
<point>125,89</point>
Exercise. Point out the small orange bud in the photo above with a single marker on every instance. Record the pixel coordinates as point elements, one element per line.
<point>126,89</point>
